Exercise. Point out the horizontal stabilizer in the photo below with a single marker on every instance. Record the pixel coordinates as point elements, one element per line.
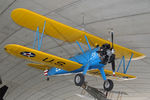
<point>39,66</point>
<point>109,75</point>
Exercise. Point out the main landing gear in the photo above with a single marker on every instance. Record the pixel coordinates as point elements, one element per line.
<point>108,85</point>
<point>79,80</point>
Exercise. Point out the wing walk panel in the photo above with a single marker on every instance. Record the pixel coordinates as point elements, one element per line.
<point>42,57</point>
<point>32,20</point>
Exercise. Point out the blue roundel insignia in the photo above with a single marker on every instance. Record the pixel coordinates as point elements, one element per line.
<point>27,54</point>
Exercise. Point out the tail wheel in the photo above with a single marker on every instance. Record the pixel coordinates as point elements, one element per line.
<point>79,79</point>
<point>108,85</point>
<point>47,78</point>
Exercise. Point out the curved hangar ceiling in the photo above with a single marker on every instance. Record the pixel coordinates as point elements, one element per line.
<point>128,18</point>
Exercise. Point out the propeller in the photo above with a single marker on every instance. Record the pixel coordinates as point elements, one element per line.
<point>107,54</point>
<point>112,58</point>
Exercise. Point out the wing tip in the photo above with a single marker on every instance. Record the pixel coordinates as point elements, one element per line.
<point>16,12</point>
<point>140,57</point>
<point>8,46</point>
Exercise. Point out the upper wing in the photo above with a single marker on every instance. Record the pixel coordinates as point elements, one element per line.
<point>66,33</point>
<point>42,57</point>
<point>109,75</point>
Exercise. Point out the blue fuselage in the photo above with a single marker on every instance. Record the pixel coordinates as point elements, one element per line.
<point>90,57</point>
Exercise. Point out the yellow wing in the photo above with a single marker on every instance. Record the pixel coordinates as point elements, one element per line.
<point>41,57</point>
<point>32,20</point>
<point>109,75</point>
<point>39,66</point>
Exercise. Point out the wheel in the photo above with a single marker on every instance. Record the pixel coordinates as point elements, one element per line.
<point>79,79</point>
<point>47,78</point>
<point>108,85</point>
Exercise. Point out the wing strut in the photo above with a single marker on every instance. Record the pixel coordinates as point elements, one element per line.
<point>88,64</point>
<point>80,46</point>
<point>37,36</point>
<point>125,68</point>
<point>88,42</point>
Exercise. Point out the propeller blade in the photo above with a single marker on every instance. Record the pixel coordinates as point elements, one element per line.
<point>113,62</point>
<point>113,55</point>
<point>113,65</point>
<point>112,39</point>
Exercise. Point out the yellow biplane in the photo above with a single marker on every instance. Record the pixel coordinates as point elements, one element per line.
<point>91,61</point>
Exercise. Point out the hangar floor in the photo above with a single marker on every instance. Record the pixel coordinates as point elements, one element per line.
<point>128,18</point>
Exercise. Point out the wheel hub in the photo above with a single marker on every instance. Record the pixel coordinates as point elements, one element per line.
<point>107,85</point>
<point>78,79</point>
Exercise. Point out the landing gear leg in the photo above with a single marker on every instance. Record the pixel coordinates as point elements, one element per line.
<point>46,74</point>
<point>108,85</point>
<point>79,79</point>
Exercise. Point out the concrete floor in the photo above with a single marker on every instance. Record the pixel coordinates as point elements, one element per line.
<point>128,18</point>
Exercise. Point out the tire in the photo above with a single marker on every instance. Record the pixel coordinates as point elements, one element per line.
<point>47,78</point>
<point>79,79</point>
<point>108,85</point>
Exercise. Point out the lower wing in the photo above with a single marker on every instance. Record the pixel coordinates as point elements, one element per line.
<point>39,66</point>
<point>41,57</point>
<point>109,75</point>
